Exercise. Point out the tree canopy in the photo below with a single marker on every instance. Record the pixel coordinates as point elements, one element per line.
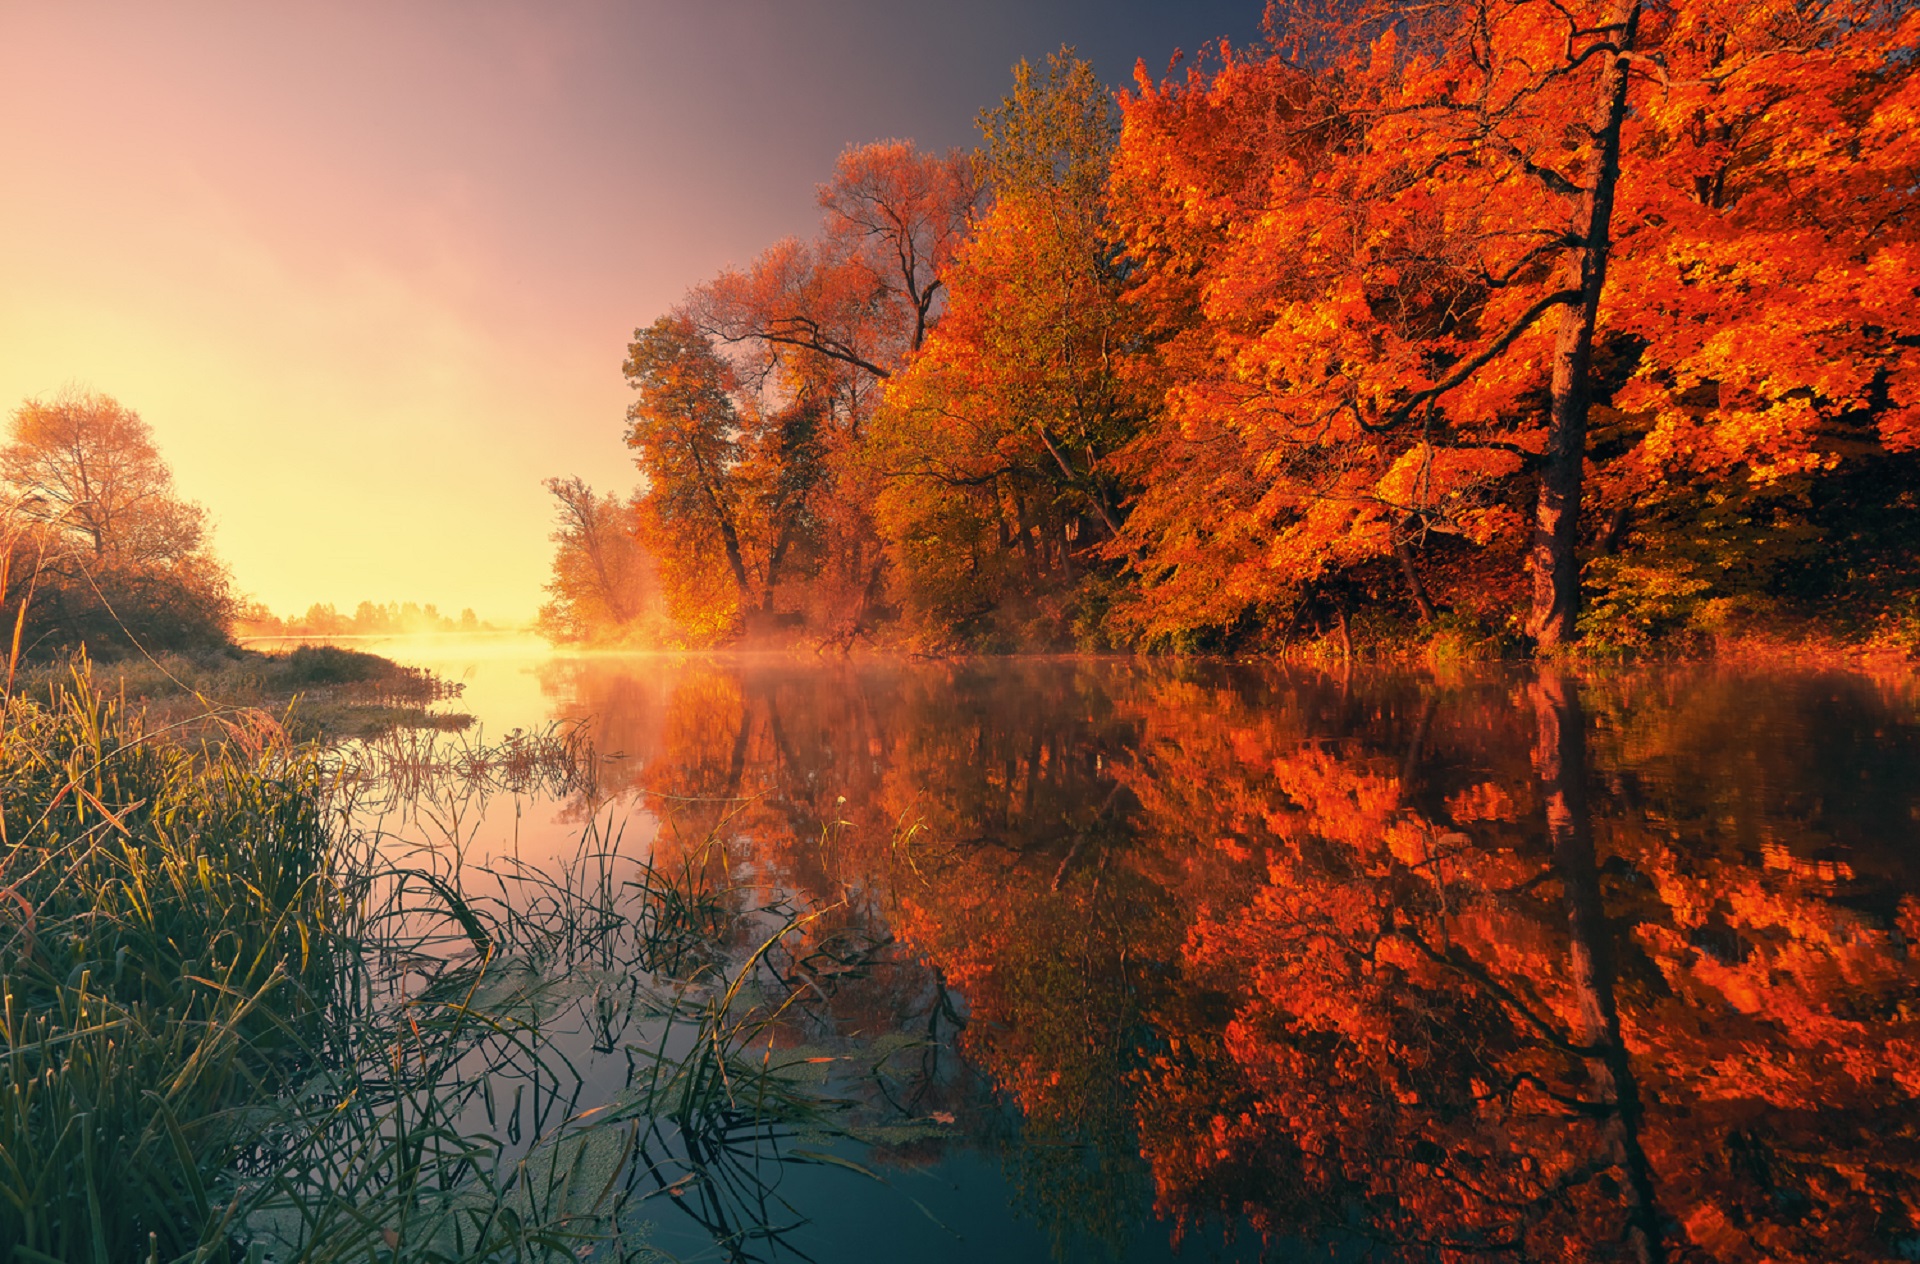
<point>1519,321</point>
<point>102,551</point>
<point>605,587</point>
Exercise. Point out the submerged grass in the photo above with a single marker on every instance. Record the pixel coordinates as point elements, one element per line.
<point>235,1026</point>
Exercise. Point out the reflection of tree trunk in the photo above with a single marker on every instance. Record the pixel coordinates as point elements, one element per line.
<point>798,799</point>
<point>1410,766</point>
<point>737,766</point>
<point>801,816</point>
<point>1560,759</point>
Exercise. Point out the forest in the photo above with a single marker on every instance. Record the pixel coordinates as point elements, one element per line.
<point>1476,329</point>
<point>1402,338</point>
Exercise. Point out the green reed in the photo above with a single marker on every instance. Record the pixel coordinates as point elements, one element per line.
<point>171,924</point>
<point>236,1025</point>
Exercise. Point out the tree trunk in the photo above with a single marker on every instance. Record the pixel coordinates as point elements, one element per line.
<point>1404,552</point>
<point>597,554</point>
<point>729,537</point>
<point>1560,762</point>
<point>735,562</point>
<point>775,560</point>
<point>1554,561</point>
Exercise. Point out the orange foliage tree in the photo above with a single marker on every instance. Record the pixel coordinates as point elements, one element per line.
<point>1560,319</point>
<point>603,588</point>
<point>731,487</point>
<point>819,325</point>
<point>100,550</point>
<point>1377,265</point>
<point>994,444</point>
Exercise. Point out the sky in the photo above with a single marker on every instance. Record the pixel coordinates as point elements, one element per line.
<point>368,270</point>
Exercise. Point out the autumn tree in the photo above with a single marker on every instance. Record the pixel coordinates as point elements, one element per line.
<point>603,587</point>
<point>1377,260</point>
<point>731,484</point>
<point>817,326</point>
<point>102,551</point>
<point>1358,266</point>
<point>995,440</point>
<point>866,291</point>
<point>1761,442</point>
<point>684,430</point>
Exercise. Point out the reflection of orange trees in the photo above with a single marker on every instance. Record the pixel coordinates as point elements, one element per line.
<point>1417,1030</point>
<point>1347,983</point>
<point>1322,1056</point>
<point>1029,887</point>
<point>1045,943</point>
<point>754,773</point>
<point>1785,1012</point>
<point>1309,947</point>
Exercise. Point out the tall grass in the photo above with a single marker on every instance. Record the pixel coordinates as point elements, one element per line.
<point>234,1026</point>
<point>173,921</point>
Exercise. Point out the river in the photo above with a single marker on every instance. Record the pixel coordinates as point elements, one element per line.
<point>1130,959</point>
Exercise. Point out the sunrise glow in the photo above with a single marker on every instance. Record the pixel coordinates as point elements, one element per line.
<point>368,270</point>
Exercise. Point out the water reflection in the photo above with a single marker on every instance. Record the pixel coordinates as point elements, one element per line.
<point>1502,966</point>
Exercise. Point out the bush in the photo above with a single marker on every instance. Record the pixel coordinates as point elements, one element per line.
<point>331,665</point>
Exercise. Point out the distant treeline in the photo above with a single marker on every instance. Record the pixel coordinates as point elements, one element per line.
<point>97,550</point>
<point>1506,325</point>
<point>368,619</point>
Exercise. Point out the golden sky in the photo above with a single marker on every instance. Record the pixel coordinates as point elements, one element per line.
<point>368,269</point>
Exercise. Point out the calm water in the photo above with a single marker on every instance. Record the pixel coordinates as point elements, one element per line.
<point>1145,961</point>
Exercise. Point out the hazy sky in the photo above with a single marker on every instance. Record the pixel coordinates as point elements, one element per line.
<point>369,270</point>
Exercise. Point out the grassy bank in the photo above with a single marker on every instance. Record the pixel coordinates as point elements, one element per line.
<point>174,927</point>
<point>315,692</point>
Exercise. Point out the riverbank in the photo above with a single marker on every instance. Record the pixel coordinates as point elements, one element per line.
<point>234,1027</point>
<point>1799,642</point>
<point>316,692</point>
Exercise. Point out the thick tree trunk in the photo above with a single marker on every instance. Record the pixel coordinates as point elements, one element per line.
<point>1560,762</point>
<point>729,537</point>
<point>735,561</point>
<point>1554,561</point>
